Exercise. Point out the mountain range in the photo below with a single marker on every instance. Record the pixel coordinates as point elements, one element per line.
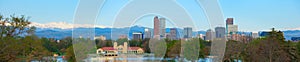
<point>61,30</point>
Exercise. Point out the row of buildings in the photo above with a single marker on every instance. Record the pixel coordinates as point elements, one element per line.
<point>159,31</point>
<point>230,31</point>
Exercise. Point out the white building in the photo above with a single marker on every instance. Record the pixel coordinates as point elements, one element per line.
<point>255,35</point>
<point>102,37</point>
<point>119,49</point>
<point>162,27</point>
<point>147,33</point>
<point>232,29</point>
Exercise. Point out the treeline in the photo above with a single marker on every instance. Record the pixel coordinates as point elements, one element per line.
<point>272,48</point>
<point>18,42</point>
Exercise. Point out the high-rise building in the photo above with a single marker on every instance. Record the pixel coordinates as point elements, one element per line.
<point>187,33</point>
<point>210,35</point>
<point>147,33</point>
<point>220,32</point>
<point>156,27</point>
<point>229,21</point>
<point>173,34</point>
<point>254,35</point>
<point>232,29</point>
<point>162,27</point>
<point>137,35</point>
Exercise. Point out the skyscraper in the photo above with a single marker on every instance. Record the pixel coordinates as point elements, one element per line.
<point>162,27</point>
<point>220,32</point>
<point>232,29</point>
<point>173,34</point>
<point>229,21</point>
<point>137,35</point>
<point>254,35</point>
<point>147,33</point>
<point>210,35</point>
<point>156,28</point>
<point>187,33</point>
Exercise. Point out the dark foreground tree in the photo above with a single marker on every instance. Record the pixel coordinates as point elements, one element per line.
<point>14,26</point>
<point>17,41</point>
<point>273,48</point>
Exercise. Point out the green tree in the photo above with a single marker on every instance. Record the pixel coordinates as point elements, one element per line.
<point>70,56</point>
<point>270,49</point>
<point>81,48</point>
<point>191,49</point>
<point>27,48</point>
<point>203,51</point>
<point>16,48</point>
<point>173,49</point>
<point>14,26</point>
<point>234,50</point>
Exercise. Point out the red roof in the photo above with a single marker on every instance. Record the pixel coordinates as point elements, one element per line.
<point>107,48</point>
<point>112,48</point>
<point>133,48</point>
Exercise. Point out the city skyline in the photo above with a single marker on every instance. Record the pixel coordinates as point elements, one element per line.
<point>150,30</point>
<point>263,15</point>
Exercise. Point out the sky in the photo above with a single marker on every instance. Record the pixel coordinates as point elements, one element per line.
<point>249,15</point>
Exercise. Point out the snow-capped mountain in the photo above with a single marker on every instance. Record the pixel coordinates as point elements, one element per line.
<point>64,25</point>
<point>293,28</point>
<point>61,30</point>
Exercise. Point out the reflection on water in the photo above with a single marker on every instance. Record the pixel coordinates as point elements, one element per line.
<point>137,58</point>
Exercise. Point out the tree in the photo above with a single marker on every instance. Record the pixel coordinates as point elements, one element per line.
<point>16,48</point>
<point>145,45</point>
<point>173,48</point>
<point>135,43</point>
<point>33,49</point>
<point>234,50</point>
<point>70,56</point>
<point>27,48</point>
<point>14,26</point>
<point>191,49</point>
<point>270,49</point>
<point>82,47</point>
<point>203,51</point>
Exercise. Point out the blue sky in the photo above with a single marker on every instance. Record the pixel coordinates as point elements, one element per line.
<point>250,15</point>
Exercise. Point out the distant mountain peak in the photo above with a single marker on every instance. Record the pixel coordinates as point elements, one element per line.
<point>293,28</point>
<point>64,25</point>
